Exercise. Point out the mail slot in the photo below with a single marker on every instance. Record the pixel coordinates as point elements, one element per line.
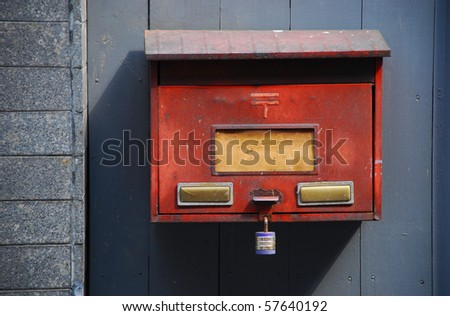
<point>282,125</point>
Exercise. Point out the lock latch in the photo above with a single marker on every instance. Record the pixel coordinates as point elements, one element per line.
<point>265,196</point>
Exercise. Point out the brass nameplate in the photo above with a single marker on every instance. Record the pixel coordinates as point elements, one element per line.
<point>264,150</point>
<point>325,193</point>
<point>209,193</point>
<point>205,194</point>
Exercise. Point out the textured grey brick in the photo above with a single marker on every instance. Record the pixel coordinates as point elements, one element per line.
<point>79,221</point>
<point>35,267</point>
<point>79,181</point>
<point>80,122</point>
<point>79,10</point>
<point>28,88</point>
<point>78,49</point>
<point>34,44</point>
<point>34,10</point>
<point>34,178</point>
<point>79,86</point>
<point>36,293</point>
<point>34,222</point>
<point>78,264</point>
<point>35,133</point>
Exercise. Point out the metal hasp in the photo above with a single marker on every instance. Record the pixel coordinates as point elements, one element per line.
<point>247,125</point>
<point>266,199</point>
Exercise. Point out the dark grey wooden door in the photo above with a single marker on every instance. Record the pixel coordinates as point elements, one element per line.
<point>128,255</point>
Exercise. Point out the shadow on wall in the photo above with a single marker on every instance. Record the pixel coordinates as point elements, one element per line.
<point>118,195</point>
<point>128,255</point>
<point>306,252</point>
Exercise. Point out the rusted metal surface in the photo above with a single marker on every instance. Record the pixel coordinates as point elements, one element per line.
<point>215,45</point>
<point>252,217</point>
<point>342,112</point>
<point>378,136</point>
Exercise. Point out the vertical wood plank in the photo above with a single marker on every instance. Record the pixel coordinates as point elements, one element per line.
<point>325,14</point>
<point>242,272</point>
<point>396,252</point>
<point>324,258</point>
<point>186,14</point>
<point>184,258</point>
<point>118,101</point>
<point>255,14</point>
<point>441,150</point>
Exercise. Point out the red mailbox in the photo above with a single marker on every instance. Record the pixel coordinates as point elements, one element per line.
<point>283,124</point>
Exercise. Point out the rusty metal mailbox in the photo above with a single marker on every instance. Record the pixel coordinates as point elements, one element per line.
<point>284,125</point>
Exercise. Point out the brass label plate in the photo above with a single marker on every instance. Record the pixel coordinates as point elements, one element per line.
<point>210,193</point>
<point>264,150</point>
<point>325,193</point>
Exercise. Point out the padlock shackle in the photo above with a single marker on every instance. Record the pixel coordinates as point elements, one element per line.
<point>266,224</point>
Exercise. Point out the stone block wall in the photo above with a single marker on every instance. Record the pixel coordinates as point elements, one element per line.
<point>42,146</point>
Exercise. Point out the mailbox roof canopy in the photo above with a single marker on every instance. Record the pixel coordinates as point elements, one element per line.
<point>222,45</point>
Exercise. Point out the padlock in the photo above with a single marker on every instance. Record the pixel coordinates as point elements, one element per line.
<point>265,240</point>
